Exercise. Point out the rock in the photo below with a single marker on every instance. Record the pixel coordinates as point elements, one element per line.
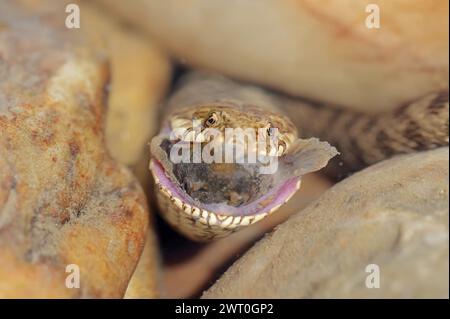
<point>63,200</point>
<point>393,214</point>
<point>321,51</point>
<point>140,76</point>
<point>146,280</point>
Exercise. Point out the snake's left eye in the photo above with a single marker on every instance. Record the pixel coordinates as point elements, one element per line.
<point>212,120</point>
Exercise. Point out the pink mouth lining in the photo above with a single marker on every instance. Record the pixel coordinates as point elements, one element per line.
<point>275,197</point>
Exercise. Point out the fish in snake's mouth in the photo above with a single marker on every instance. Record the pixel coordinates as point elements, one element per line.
<point>264,204</point>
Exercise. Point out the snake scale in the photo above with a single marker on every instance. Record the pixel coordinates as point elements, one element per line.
<point>209,201</point>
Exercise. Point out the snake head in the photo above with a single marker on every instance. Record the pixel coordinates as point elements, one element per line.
<point>196,124</point>
<point>198,184</point>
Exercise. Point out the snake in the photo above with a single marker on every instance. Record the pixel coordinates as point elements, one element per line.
<point>210,198</point>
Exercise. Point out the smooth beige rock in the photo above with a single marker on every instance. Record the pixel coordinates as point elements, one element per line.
<point>393,214</point>
<point>316,49</point>
<point>140,75</point>
<point>145,282</point>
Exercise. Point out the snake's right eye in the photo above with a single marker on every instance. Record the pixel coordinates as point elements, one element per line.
<point>212,120</point>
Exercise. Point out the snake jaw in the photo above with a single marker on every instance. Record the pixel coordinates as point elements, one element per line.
<point>208,222</point>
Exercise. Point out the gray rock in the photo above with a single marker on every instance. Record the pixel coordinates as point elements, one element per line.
<point>393,214</point>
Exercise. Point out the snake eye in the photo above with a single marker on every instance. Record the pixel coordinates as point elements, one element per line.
<point>212,120</point>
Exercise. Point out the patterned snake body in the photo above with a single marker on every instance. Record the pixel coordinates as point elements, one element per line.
<point>364,139</point>
<point>208,201</point>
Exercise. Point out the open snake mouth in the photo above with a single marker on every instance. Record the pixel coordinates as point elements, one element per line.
<point>222,199</point>
<point>237,188</point>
